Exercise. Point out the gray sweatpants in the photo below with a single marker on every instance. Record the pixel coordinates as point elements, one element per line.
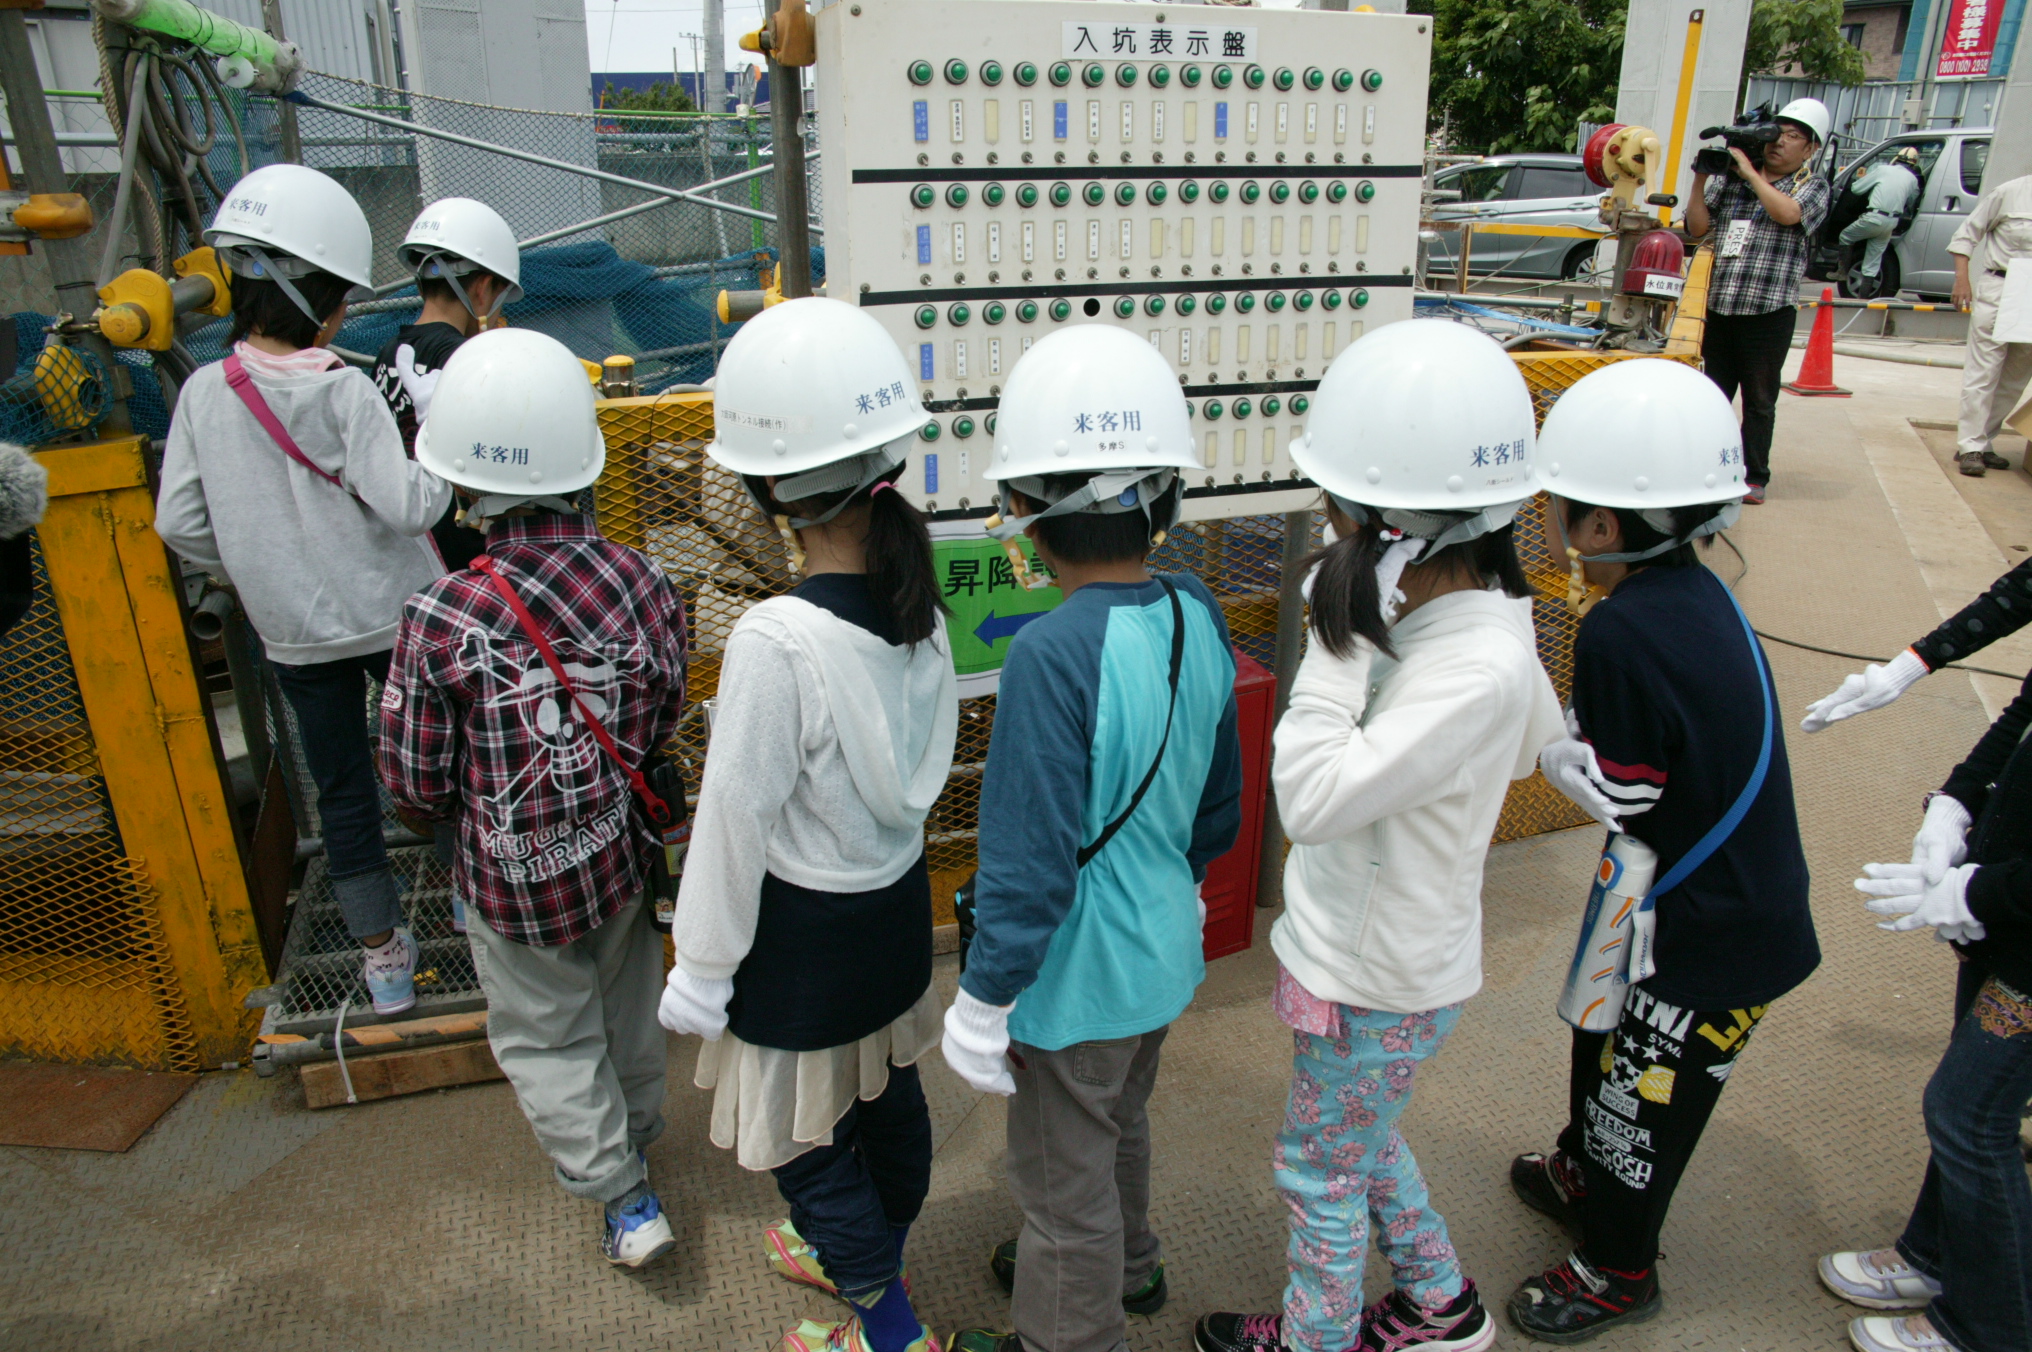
<point>574,1027</point>
<point>1079,1166</point>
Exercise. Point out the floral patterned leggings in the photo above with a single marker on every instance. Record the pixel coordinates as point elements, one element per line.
<point>1340,1161</point>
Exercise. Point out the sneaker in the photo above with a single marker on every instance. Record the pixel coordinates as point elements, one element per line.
<point>1888,1333</point>
<point>1573,1302</point>
<point>1221,1332</point>
<point>637,1233</point>
<point>1882,1280</point>
<point>792,1256</point>
<point>1992,460</point>
<point>1398,1322</point>
<point>1147,1299</point>
<point>985,1340</point>
<point>1755,496</point>
<point>390,973</point>
<point>813,1335</point>
<point>1971,463</point>
<point>1553,1184</point>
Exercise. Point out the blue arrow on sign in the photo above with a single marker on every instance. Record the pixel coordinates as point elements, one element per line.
<point>995,628</point>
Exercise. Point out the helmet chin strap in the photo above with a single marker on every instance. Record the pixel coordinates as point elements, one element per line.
<point>435,265</point>
<point>1441,529</point>
<point>1582,595</point>
<point>486,510</point>
<point>1107,493</point>
<point>264,266</point>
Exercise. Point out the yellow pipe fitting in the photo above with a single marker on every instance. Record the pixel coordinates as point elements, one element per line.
<point>138,311</point>
<point>55,215</point>
<point>204,263</point>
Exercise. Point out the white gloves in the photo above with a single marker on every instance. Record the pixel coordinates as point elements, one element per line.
<point>977,1043</point>
<point>1942,841</point>
<point>695,1004</point>
<point>1570,766</point>
<point>1905,894</point>
<point>1872,688</point>
<point>1389,569</point>
<point>419,385</point>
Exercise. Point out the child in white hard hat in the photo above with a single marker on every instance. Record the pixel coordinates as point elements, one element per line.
<point>526,695</point>
<point>285,475</point>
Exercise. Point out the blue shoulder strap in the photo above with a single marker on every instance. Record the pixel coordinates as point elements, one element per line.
<point>1722,829</point>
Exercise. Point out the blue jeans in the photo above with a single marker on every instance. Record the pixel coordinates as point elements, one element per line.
<point>330,699</point>
<point>845,1197</point>
<point>1971,1229</point>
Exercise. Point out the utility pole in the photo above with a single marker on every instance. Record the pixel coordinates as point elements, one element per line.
<point>793,207</point>
<point>713,77</point>
<point>285,113</point>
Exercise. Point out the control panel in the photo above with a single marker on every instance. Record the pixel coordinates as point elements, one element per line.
<point>1239,186</point>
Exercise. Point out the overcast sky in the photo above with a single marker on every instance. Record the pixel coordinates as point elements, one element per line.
<point>638,34</point>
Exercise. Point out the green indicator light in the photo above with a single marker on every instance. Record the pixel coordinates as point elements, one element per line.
<point>919,72</point>
<point>1372,80</point>
<point>1274,301</point>
<point>1186,305</point>
<point>989,424</point>
<point>1223,76</point>
<point>1308,192</point>
<point>958,313</point>
<point>1061,74</point>
<point>923,195</point>
<point>926,316</point>
<point>1251,190</point>
<point>1241,408</point>
<point>1125,194</point>
<point>1280,191</point>
<point>1365,191</point>
<point>1125,75</point>
<point>929,431</point>
<point>1302,301</point>
<point>1246,301</point>
<point>1253,77</point>
<point>1314,76</point>
<point>994,312</point>
<point>1188,191</point>
<point>1026,73</point>
<point>963,426</point>
<point>991,72</point>
<point>955,72</point>
<point>1299,403</point>
<point>1061,193</point>
<point>1331,300</point>
<point>993,194</point>
<point>1160,76</point>
<point>1026,195</point>
<point>1218,190</point>
<point>1337,192</point>
<point>956,195</point>
<point>1283,79</point>
<point>1156,193</point>
<point>1343,80</point>
<point>1216,303</point>
<point>1271,407</point>
<point>1212,408</point>
<point>1153,305</point>
<point>1094,74</point>
<point>1061,310</point>
<point>1125,306</point>
<point>1189,76</point>
<point>1358,297</point>
<point>1026,312</point>
<point>1095,194</point>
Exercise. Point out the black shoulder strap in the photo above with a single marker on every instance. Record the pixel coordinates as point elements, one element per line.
<point>1107,834</point>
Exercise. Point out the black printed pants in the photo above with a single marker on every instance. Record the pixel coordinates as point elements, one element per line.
<point>1639,1099</point>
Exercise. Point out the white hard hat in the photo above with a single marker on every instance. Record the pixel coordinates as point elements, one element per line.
<point>1428,418</point>
<point>1642,433</point>
<point>1811,114</point>
<point>453,237</point>
<point>808,383</point>
<point>289,209</point>
<point>513,420</point>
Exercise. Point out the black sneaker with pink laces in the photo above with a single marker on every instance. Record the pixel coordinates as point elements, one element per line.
<point>1222,1332</point>
<point>1576,1301</point>
<point>1396,1323</point>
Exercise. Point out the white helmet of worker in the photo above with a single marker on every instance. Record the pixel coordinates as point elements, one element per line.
<point>1426,423</point>
<point>513,422</point>
<point>1092,400</point>
<point>1645,435</point>
<point>815,392</point>
<point>1811,114</point>
<point>285,221</point>
<point>457,237</point>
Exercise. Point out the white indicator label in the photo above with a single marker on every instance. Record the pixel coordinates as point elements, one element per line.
<point>959,120</point>
<point>1250,120</point>
<point>1217,236</point>
<point>1093,241</point>
<point>1128,122</point>
<point>1185,233</point>
<point>1157,239</point>
<point>1030,241</point>
<point>1128,238</point>
<point>1241,446</point>
<point>994,358</point>
<point>1269,445</point>
<point>1191,121</point>
<point>1058,240</point>
<point>1362,233</point>
<point>959,242</point>
<point>1093,119</point>
<point>1333,234</point>
<point>991,120</point>
<point>1027,114</point>
<point>1298,342</point>
<point>1027,342</point>
<point>1276,234</point>
<point>1368,122</point>
<point>1213,449</point>
<point>1340,124</point>
<point>1273,335</point>
<point>994,241</point>
<point>1213,344</point>
<point>1242,342</point>
<point>1155,41</point>
<point>1283,122</point>
<point>1248,236</point>
<point>959,359</point>
<point>1305,234</point>
<point>1157,120</point>
<point>1185,347</point>
<point>1326,337</point>
<point>1311,122</point>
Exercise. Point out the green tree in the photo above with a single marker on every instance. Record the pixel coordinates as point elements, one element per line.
<point>1519,74</point>
<point>658,98</point>
<point>1800,33</point>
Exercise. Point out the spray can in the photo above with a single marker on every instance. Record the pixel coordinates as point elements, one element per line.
<point>1606,961</point>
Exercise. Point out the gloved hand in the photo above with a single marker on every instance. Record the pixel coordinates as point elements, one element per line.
<point>695,1004</point>
<point>1904,893</point>
<point>1389,569</point>
<point>1570,766</point>
<point>419,385</point>
<point>1871,688</point>
<point>1942,841</point>
<point>977,1043</point>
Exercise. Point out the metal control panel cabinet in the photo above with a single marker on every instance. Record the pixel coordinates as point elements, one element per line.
<point>1239,186</point>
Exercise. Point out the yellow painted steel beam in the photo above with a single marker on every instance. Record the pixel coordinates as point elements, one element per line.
<point>114,587</point>
<point>1689,59</point>
<point>1548,231</point>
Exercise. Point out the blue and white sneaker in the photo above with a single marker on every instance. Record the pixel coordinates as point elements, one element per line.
<point>638,1232</point>
<point>391,973</point>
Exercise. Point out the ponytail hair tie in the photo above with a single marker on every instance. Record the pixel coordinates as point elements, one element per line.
<point>880,486</point>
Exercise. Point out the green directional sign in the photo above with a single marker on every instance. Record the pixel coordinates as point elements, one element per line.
<point>989,606</point>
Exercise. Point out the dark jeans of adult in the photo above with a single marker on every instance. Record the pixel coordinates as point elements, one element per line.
<point>1747,353</point>
<point>330,700</point>
<point>849,1199</point>
<point>1971,1229</point>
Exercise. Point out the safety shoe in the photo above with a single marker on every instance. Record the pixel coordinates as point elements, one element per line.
<point>1575,1301</point>
<point>814,1335</point>
<point>1754,495</point>
<point>390,973</point>
<point>1553,1184</point>
<point>1995,461</point>
<point>1890,1333</point>
<point>1882,1280</point>
<point>637,1232</point>
<point>984,1340</point>
<point>1146,1299</point>
<point>1397,1322</point>
<point>1223,1332</point>
<point>1972,464</point>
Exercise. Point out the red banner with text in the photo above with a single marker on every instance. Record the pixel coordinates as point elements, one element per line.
<point>1970,38</point>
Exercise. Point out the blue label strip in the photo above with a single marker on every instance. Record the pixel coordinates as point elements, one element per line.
<point>1220,122</point>
<point>924,244</point>
<point>920,119</point>
<point>931,472</point>
<point>1058,120</point>
<point>924,362</point>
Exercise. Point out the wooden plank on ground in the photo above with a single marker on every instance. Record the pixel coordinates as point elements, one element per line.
<point>390,1074</point>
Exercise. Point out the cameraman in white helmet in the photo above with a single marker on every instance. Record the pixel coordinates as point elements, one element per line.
<point>1762,218</point>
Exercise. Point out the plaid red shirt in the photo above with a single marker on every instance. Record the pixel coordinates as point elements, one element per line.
<point>474,728</point>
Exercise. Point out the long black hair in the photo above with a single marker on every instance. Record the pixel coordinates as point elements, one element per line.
<point>902,579</point>
<point>1346,607</point>
<point>260,306</point>
<point>1640,535</point>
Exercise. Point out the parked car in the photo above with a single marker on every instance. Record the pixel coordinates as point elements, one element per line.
<point>1515,190</point>
<point>1951,174</point>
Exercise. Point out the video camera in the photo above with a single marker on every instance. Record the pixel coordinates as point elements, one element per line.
<point>1750,133</point>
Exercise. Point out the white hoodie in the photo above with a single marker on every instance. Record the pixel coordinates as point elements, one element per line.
<point>1390,776</point>
<point>829,748</point>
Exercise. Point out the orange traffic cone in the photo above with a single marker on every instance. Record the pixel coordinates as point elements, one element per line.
<point>1816,372</point>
